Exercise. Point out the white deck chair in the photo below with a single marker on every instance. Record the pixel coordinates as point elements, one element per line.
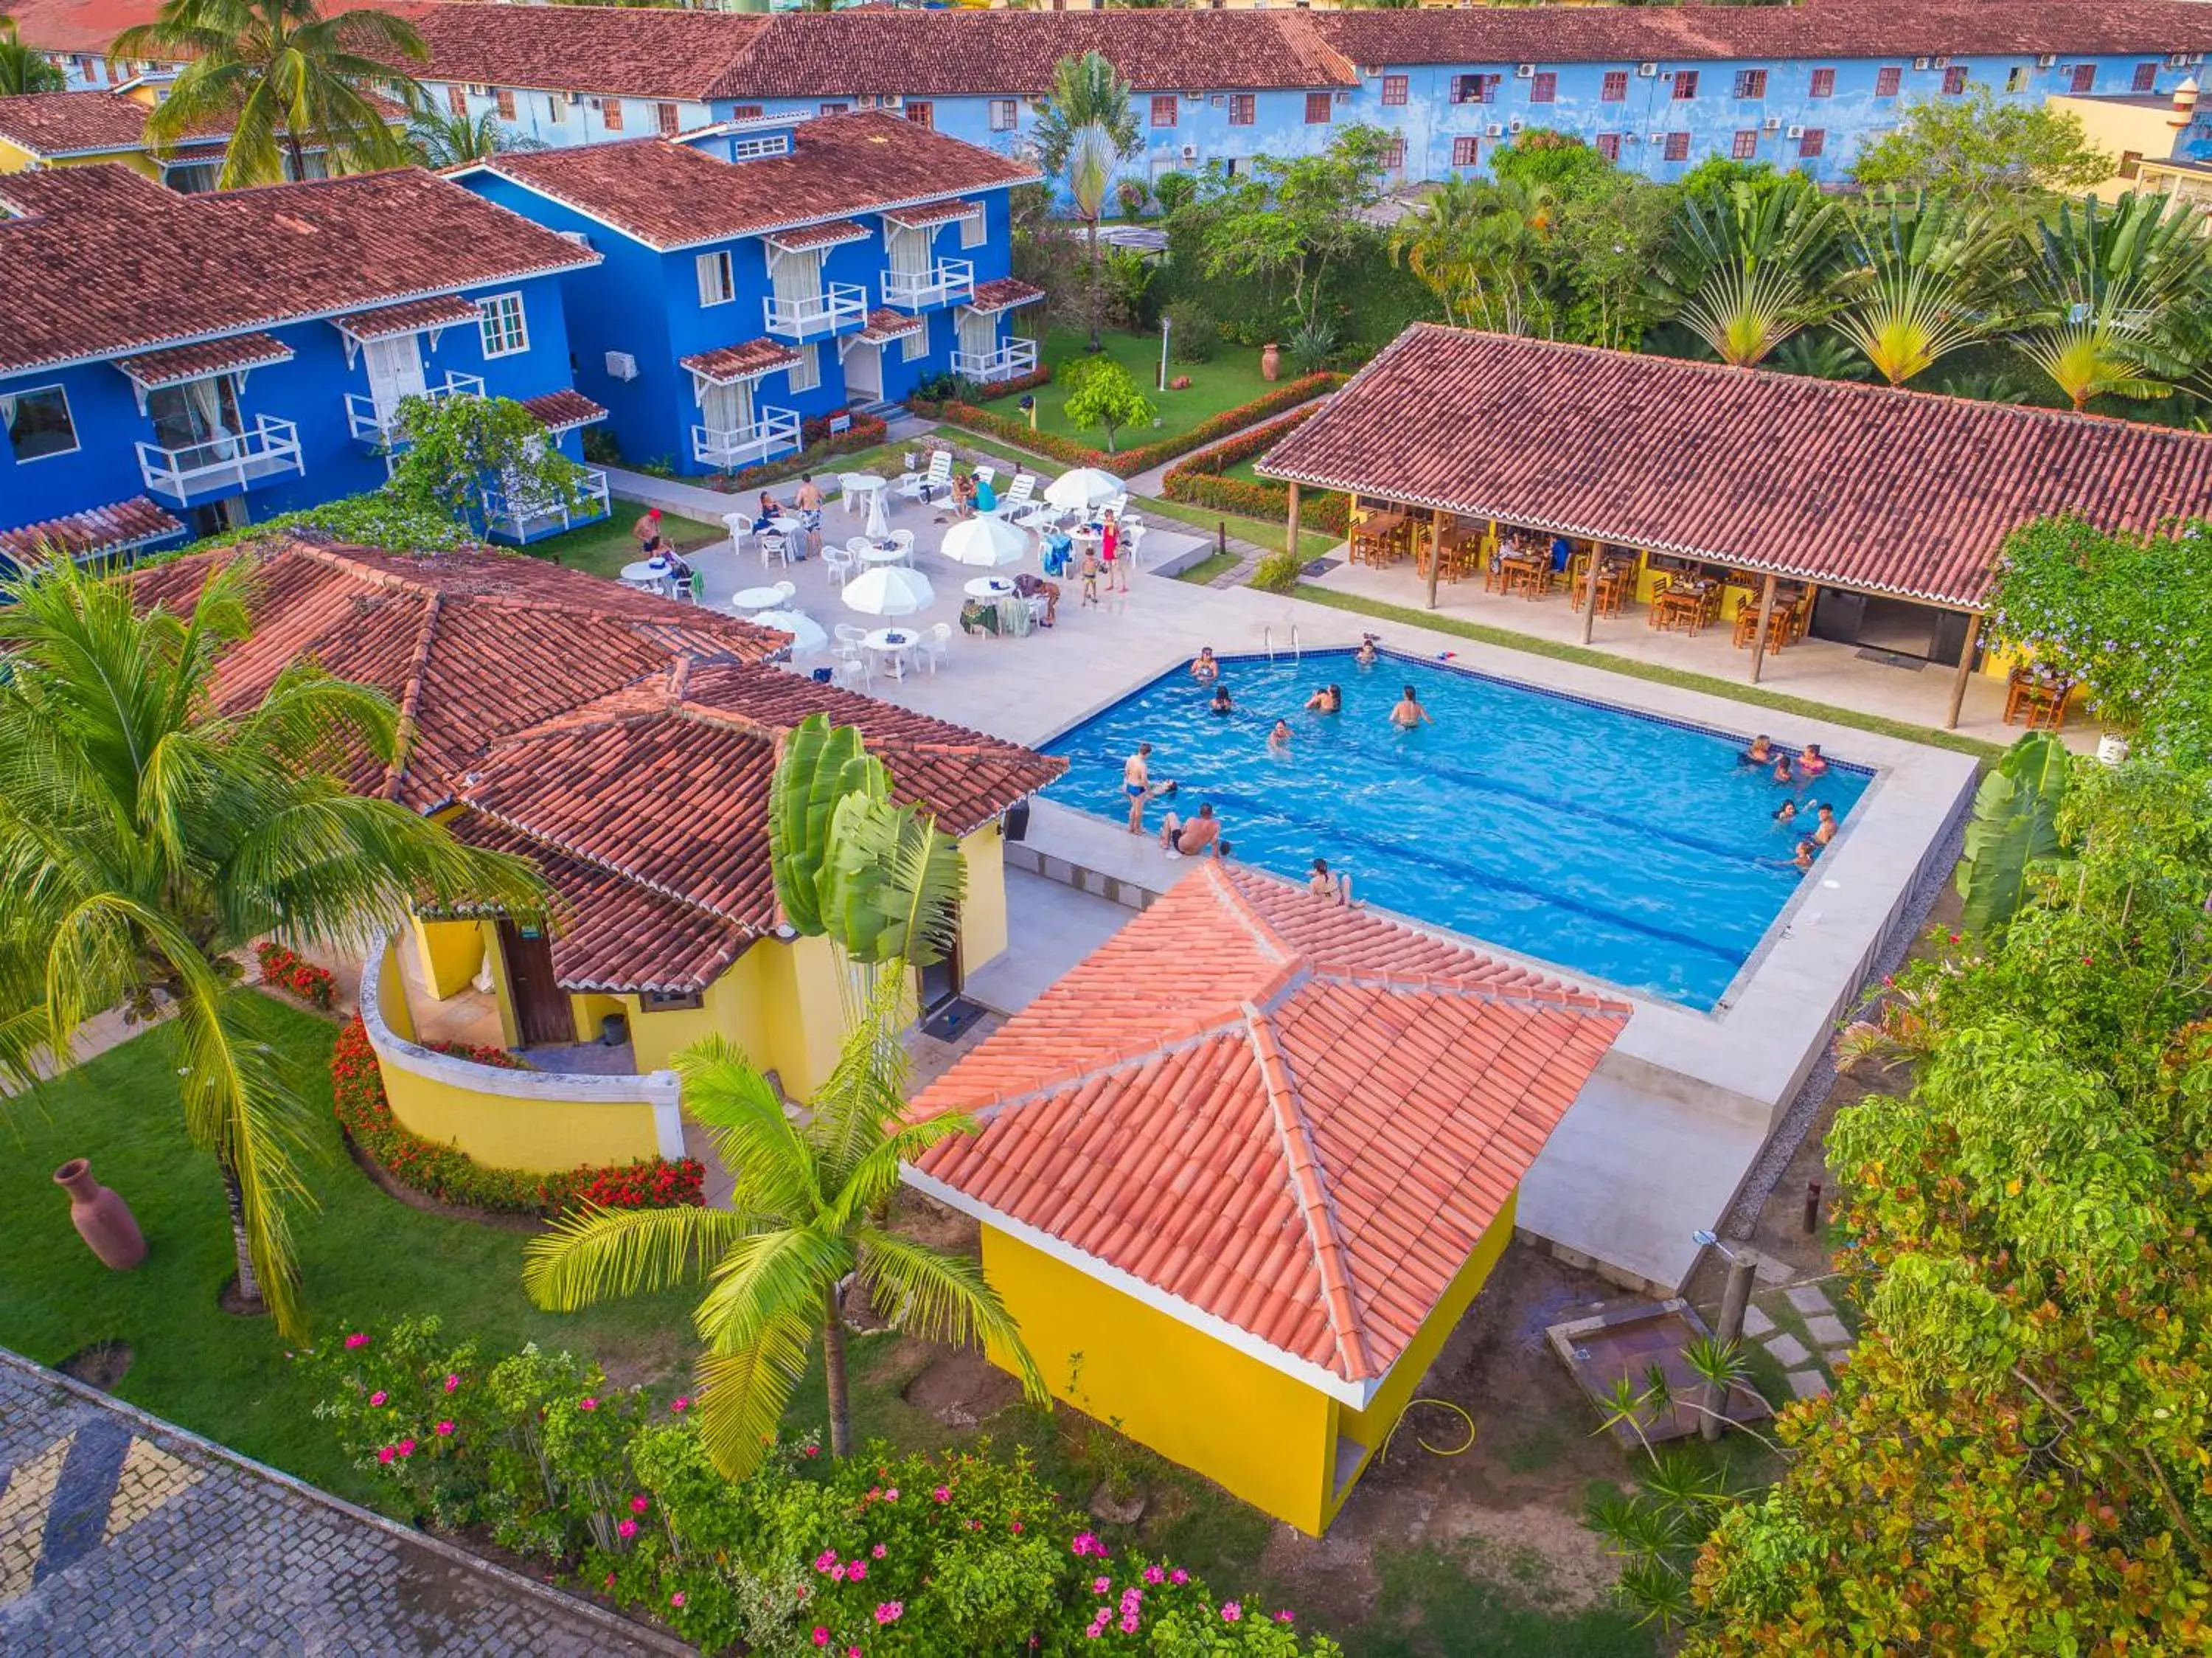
<point>918,486</point>
<point>776,546</point>
<point>1016,500</point>
<point>740,525</point>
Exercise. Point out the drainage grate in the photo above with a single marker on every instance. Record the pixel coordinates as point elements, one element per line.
<point>949,1020</point>
<point>1890,658</point>
<point>1319,566</point>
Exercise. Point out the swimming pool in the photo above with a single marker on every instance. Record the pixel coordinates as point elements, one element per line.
<point>1617,844</point>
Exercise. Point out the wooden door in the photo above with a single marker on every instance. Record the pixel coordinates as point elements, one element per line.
<point>541,1006</point>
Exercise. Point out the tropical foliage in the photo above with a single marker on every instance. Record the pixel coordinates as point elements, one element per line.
<point>1980,152</point>
<point>1293,221</point>
<point>2014,830</point>
<point>1105,397</point>
<point>457,449</point>
<point>284,78</point>
<point>2110,291</point>
<point>1922,285</point>
<point>448,140</point>
<point>1088,129</point>
<point>149,835</point>
<point>1750,265</point>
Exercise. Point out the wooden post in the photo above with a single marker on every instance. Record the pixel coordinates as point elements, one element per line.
<point>1965,672</point>
<point>1436,553</point>
<point>1590,595</point>
<point>1290,539</point>
<point>1766,621</point>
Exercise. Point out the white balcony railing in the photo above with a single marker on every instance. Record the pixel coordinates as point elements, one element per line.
<point>524,518</point>
<point>379,429</point>
<point>727,449</point>
<point>948,282</point>
<point>242,459</point>
<point>1012,357</point>
<point>840,305</point>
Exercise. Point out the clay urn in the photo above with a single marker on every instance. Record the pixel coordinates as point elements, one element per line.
<point>1271,361</point>
<point>103,1219</point>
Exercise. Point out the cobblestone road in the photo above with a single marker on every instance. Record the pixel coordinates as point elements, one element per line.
<point>119,1534</point>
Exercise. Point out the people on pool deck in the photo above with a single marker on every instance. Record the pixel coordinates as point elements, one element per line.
<point>1188,836</point>
<point>1812,763</point>
<point>1366,656</point>
<point>1027,586</point>
<point>1786,813</point>
<point>647,532</point>
<point>1278,740</point>
<point>1089,571</point>
<point>1206,670</point>
<point>1116,555</point>
<point>985,497</point>
<point>1826,830</point>
<point>1326,883</point>
<point>1762,752</point>
<point>1329,699</point>
<point>1221,703</point>
<point>1409,712</point>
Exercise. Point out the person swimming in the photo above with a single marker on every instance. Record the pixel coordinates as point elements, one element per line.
<point>1206,670</point>
<point>1781,769</point>
<point>1222,702</point>
<point>1786,813</point>
<point>1762,752</point>
<point>1366,656</point>
<point>1329,699</point>
<point>1409,713</point>
<point>1278,740</point>
<point>1807,852</point>
<point>1812,763</point>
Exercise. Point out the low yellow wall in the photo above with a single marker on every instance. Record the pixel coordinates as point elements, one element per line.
<point>451,953</point>
<point>1254,1430</point>
<point>983,911</point>
<point>12,160</point>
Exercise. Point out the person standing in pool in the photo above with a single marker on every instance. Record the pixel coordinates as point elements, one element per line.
<point>1812,763</point>
<point>1366,656</point>
<point>1782,774</point>
<point>1826,830</point>
<point>1222,702</point>
<point>1329,699</point>
<point>1807,852</point>
<point>1760,753</point>
<point>1137,784</point>
<point>1206,670</point>
<point>1786,813</point>
<point>1278,740</point>
<point>1409,713</point>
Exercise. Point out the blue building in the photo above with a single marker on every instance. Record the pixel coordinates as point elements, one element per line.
<point>174,364</point>
<point>756,275</point>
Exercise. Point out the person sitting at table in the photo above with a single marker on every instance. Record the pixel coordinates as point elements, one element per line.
<point>677,569</point>
<point>1409,713</point>
<point>1027,586</point>
<point>1221,703</point>
<point>1188,836</point>
<point>770,511</point>
<point>1562,550</point>
<point>1208,668</point>
<point>1329,699</point>
<point>1760,753</point>
<point>1278,740</point>
<point>646,530</point>
<point>1812,763</point>
<point>1366,656</point>
<point>1826,830</point>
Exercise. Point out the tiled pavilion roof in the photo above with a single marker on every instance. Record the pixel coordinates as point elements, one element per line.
<point>1272,1111</point>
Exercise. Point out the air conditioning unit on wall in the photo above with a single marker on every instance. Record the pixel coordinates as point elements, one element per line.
<point>621,365</point>
<point>1773,124</point>
<point>1493,130</point>
<point>1795,132</point>
<point>1524,71</point>
<point>1645,71</point>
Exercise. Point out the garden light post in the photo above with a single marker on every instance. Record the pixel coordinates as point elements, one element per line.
<point>1743,1267</point>
<point>1166,323</point>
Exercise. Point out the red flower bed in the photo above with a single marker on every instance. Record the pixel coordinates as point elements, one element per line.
<point>1199,481</point>
<point>283,971</point>
<point>454,1176</point>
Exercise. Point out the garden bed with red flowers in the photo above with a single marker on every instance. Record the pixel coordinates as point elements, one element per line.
<point>293,974</point>
<point>453,1177</point>
<point>1200,482</point>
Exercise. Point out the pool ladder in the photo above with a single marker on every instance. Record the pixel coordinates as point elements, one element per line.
<point>1267,642</point>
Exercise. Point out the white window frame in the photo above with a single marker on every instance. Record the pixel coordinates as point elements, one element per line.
<point>1005,114</point>
<point>8,417</point>
<point>805,374</point>
<point>915,344</point>
<point>751,149</point>
<point>503,325</point>
<point>718,281</point>
<point>974,227</point>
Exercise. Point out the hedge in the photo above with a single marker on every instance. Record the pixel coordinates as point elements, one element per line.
<point>1129,462</point>
<point>1198,481</point>
<point>451,1176</point>
<point>932,408</point>
<point>817,446</point>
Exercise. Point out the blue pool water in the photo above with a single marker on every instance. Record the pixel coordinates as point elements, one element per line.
<point>1614,843</point>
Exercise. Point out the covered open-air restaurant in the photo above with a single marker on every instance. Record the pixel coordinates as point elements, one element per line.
<point>1777,507</point>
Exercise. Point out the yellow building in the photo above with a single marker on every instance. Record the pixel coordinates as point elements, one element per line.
<point>1241,1172</point>
<point>2145,132</point>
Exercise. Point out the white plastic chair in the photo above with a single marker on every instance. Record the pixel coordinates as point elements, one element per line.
<point>850,666</point>
<point>1133,542</point>
<point>839,566</point>
<point>903,540</point>
<point>986,475</point>
<point>740,525</point>
<point>1017,494</point>
<point>935,641</point>
<point>847,634</point>
<point>774,545</point>
<point>789,590</point>
<point>920,486</point>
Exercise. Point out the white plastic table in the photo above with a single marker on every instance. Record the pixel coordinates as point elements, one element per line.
<point>891,644</point>
<point>891,554</point>
<point>989,586</point>
<point>757,598</point>
<point>647,574</point>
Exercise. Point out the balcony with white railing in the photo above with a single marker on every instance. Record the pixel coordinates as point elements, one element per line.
<point>727,449</point>
<point>1012,358</point>
<point>948,282</point>
<point>520,517</point>
<point>840,305</point>
<point>234,460</point>
<point>379,429</point>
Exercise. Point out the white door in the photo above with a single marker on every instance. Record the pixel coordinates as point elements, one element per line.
<point>727,408</point>
<point>395,370</point>
<point>864,372</point>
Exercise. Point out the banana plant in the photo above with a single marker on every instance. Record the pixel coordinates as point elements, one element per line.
<point>2015,827</point>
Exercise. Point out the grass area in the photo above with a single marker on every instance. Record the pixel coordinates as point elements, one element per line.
<point>1233,377</point>
<point>1207,567</point>
<point>1738,691</point>
<point>365,1257</point>
<point>1440,1601</point>
<point>605,547</point>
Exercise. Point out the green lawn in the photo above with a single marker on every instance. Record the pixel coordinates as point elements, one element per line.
<point>605,547</point>
<point>1233,377</point>
<point>367,1259</point>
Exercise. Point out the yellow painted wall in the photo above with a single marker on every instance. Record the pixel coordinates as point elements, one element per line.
<point>391,996</point>
<point>983,911</point>
<point>778,1002</point>
<point>503,989</point>
<point>542,1136</point>
<point>451,954</point>
<point>2120,129</point>
<point>12,160</point>
<point>1246,1425</point>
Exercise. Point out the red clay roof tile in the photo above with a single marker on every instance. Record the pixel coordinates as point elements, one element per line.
<point>564,410</point>
<point>414,316</point>
<point>1200,1104</point>
<point>638,53</point>
<point>1004,294</point>
<point>179,363</point>
<point>831,233</point>
<point>885,324</point>
<point>747,360</point>
<point>97,529</point>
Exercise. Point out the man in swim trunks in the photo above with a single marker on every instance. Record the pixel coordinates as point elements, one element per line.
<point>1409,713</point>
<point>1137,784</point>
<point>1826,830</point>
<point>1188,838</point>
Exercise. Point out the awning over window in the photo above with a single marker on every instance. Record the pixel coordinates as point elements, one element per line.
<point>563,412</point>
<point>835,232</point>
<point>179,363</point>
<point>914,219</point>
<point>414,316</point>
<point>85,534</point>
<point>1004,294</point>
<point>887,325</point>
<point>725,365</point>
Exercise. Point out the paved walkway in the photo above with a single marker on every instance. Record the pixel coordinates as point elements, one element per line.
<point>1801,1331</point>
<point>119,1534</point>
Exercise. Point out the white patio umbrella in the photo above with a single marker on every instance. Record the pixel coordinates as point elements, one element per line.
<point>989,542</point>
<point>888,590</point>
<point>807,634</point>
<point>1086,486</point>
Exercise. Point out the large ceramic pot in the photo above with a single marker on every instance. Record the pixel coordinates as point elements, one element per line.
<point>1271,361</point>
<point>103,1219</point>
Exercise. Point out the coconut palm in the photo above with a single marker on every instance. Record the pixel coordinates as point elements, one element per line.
<point>22,69</point>
<point>2110,292</point>
<point>441,141</point>
<point>146,839</point>
<point>1484,249</point>
<point>1089,128</point>
<point>284,78</point>
<point>804,1226</point>
<point>1921,287</point>
<point>1750,265</point>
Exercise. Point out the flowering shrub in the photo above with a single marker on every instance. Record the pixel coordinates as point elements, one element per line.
<point>454,1176</point>
<point>884,1556</point>
<point>281,970</point>
<point>816,445</point>
<point>1198,480</point>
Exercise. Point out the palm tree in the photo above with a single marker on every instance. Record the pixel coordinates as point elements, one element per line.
<point>2111,291</point>
<point>284,77</point>
<point>1484,249</point>
<point>1088,129</point>
<point>146,839</point>
<point>442,141</point>
<point>1749,266</point>
<point>1921,286</point>
<point>804,1226</point>
<point>22,69</point>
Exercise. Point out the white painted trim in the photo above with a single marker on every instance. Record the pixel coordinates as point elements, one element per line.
<point>1355,1395</point>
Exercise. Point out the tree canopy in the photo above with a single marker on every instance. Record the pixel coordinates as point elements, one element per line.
<point>1978,149</point>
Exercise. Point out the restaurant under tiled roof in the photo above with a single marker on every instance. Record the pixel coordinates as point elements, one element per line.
<point>171,267</point>
<point>1855,486</point>
<point>564,410</point>
<point>668,194</point>
<point>179,363</point>
<point>469,645</point>
<point>126,524</point>
<point>747,360</point>
<point>1272,1110</point>
<point>414,316</point>
<point>1005,294</point>
<point>632,52</point>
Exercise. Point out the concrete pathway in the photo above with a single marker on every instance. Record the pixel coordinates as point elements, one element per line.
<point>1799,1327</point>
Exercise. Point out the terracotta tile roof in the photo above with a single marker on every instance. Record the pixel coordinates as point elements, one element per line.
<point>1858,486</point>
<point>883,325</point>
<point>745,361</point>
<point>1887,29</point>
<point>670,195</point>
<point>636,53</point>
<point>47,124</point>
<point>1012,53</point>
<point>932,213</point>
<point>829,234</point>
<point>97,529</point>
<point>101,266</point>
<point>469,645</point>
<point>1290,1116</point>
<point>564,410</point>
<point>414,316</point>
<point>1005,294</point>
<point>212,357</point>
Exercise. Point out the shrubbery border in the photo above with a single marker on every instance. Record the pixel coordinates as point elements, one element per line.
<point>1199,483</point>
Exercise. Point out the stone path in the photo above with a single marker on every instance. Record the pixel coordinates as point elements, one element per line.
<point>119,1534</point>
<point>1800,1330</point>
